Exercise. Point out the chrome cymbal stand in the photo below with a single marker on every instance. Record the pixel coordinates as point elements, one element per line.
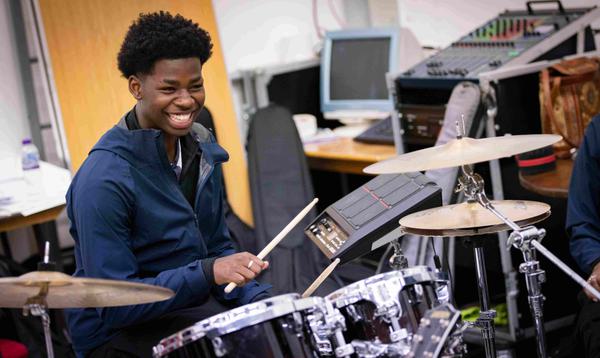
<point>527,240</point>
<point>398,261</point>
<point>38,306</point>
<point>472,185</point>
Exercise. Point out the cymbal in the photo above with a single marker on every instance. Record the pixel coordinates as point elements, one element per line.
<point>462,151</point>
<point>65,291</point>
<point>469,219</point>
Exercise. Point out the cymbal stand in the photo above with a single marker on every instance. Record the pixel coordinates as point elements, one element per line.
<point>527,240</point>
<point>37,306</point>
<point>472,185</point>
<point>398,261</point>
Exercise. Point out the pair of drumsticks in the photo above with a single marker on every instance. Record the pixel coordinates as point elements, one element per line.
<point>309,291</point>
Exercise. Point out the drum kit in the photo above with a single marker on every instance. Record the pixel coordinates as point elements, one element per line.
<point>405,312</point>
<point>376,317</point>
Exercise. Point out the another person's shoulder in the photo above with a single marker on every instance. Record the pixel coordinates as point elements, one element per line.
<point>592,135</point>
<point>595,123</point>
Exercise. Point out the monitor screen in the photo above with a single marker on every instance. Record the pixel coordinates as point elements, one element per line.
<point>354,64</point>
<point>358,68</point>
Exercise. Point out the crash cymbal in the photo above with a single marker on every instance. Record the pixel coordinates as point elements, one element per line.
<point>72,292</point>
<point>469,219</point>
<point>463,151</point>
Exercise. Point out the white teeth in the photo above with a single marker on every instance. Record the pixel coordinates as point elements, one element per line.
<point>181,117</point>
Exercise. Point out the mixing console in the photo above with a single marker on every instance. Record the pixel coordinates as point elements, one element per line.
<point>494,44</point>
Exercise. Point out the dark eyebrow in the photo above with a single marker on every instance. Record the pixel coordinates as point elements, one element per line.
<point>175,82</point>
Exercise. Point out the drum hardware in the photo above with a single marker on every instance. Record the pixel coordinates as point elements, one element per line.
<point>40,290</point>
<point>525,239</point>
<point>382,312</point>
<point>281,326</point>
<point>37,306</point>
<point>325,324</point>
<point>398,261</point>
<point>439,334</point>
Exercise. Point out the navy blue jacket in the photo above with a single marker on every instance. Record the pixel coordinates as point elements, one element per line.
<point>583,211</point>
<point>130,221</point>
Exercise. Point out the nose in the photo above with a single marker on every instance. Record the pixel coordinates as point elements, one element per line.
<point>185,99</point>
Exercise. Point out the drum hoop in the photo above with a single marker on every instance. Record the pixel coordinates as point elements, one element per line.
<point>359,290</point>
<point>207,327</point>
<point>175,341</point>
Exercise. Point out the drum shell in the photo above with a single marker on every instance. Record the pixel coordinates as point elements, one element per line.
<point>378,306</point>
<point>280,330</point>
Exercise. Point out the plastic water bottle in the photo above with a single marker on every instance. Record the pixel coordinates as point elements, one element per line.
<point>30,156</point>
<point>30,162</point>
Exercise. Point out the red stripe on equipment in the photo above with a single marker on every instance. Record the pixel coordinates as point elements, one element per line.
<point>537,161</point>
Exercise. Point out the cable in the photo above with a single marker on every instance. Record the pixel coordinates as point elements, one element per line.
<point>337,18</point>
<point>383,259</point>
<point>436,258</point>
<point>315,17</point>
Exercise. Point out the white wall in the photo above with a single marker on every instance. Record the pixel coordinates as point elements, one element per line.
<point>14,125</point>
<point>257,33</point>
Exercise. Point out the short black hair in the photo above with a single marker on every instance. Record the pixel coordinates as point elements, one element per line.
<point>160,35</point>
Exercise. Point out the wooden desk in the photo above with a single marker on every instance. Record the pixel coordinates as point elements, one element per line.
<point>43,228</point>
<point>554,183</point>
<point>18,221</point>
<point>344,155</point>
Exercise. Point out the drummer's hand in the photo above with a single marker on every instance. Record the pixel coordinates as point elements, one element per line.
<point>594,280</point>
<point>234,268</point>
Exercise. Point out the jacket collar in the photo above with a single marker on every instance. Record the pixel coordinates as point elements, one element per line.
<point>141,146</point>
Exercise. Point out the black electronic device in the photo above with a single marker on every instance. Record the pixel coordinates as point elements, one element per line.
<point>380,132</point>
<point>514,37</point>
<point>365,219</point>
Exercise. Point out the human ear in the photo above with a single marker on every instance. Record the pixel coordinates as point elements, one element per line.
<point>135,87</point>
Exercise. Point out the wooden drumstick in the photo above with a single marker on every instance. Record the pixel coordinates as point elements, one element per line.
<point>313,286</point>
<point>277,238</point>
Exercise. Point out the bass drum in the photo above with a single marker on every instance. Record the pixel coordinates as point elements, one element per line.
<point>383,312</point>
<point>282,326</point>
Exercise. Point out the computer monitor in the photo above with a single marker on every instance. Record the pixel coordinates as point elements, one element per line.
<point>353,68</point>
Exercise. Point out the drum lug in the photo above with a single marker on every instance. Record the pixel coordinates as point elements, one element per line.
<point>297,323</point>
<point>387,311</point>
<point>344,351</point>
<point>220,350</point>
<point>398,335</point>
<point>327,324</point>
<point>354,314</point>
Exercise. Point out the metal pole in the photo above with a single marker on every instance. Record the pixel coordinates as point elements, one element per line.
<point>486,315</point>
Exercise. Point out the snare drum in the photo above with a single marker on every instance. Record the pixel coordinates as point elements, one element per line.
<point>282,326</point>
<point>387,308</point>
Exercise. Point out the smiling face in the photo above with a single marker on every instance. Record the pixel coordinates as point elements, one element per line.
<point>170,97</point>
